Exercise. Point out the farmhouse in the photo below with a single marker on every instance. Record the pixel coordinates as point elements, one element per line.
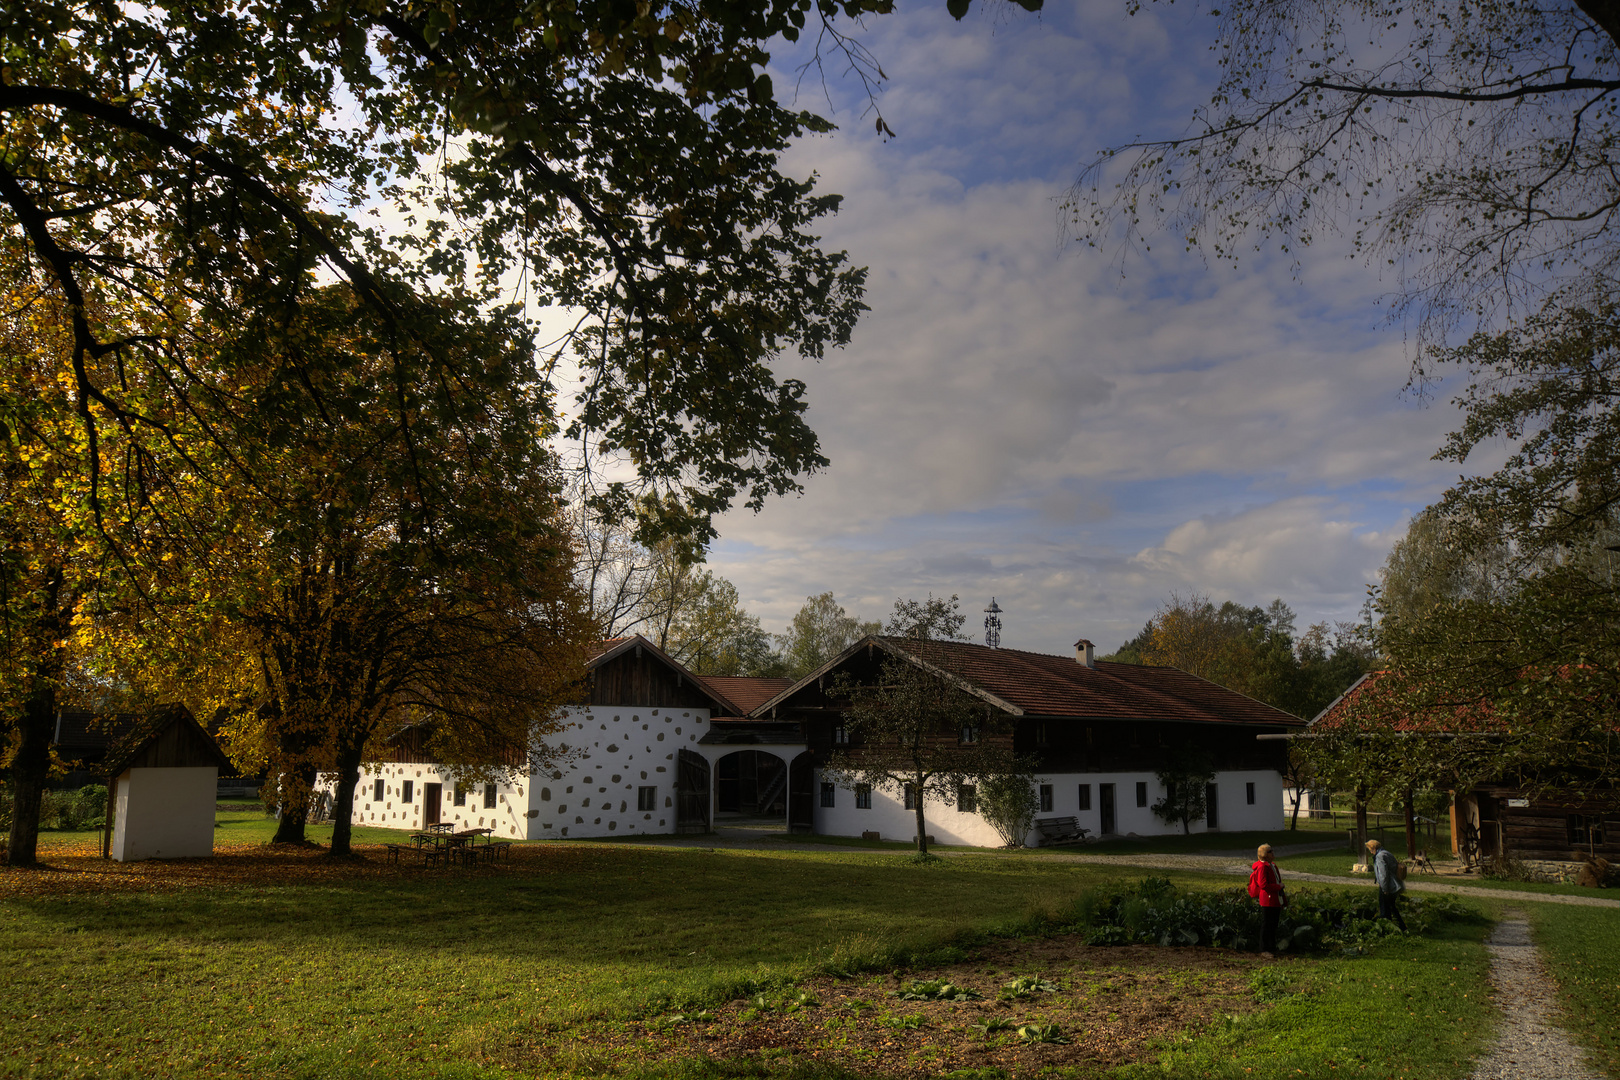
<point>652,748</point>
<point>1099,731</point>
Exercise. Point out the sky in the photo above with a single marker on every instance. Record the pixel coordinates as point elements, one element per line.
<point>1076,434</point>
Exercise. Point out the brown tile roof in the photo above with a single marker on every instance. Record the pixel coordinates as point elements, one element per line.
<point>746,692</point>
<point>1036,684</point>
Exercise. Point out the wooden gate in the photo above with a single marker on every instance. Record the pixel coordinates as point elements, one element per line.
<point>801,794</point>
<point>691,793</point>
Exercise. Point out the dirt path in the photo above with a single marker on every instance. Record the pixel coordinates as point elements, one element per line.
<point>1529,1045</point>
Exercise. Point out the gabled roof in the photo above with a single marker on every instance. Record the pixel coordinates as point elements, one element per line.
<point>1372,704</point>
<point>614,648</point>
<point>167,737</point>
<point>1040,685</point>
<point>747,692</point>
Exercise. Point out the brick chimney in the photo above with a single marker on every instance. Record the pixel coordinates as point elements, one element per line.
<point>1083,653</point>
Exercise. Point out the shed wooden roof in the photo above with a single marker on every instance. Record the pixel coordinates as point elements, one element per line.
<point>169,737</point>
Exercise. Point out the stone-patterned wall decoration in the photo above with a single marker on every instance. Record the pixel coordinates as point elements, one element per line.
<point>615,752</point>
<point>596,789</point>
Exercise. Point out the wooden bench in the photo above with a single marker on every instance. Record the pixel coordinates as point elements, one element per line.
<point>1060,830</point>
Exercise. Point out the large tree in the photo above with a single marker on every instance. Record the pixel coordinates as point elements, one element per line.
<point>1466,146</point>
<point>909,735</point>
<point>820,630</point>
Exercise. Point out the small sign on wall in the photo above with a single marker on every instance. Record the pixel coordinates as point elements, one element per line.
<point>1519,804</point>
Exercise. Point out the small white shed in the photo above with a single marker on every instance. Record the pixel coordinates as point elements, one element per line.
<point>163,788</point>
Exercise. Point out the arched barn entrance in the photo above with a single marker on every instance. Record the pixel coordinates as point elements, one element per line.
<point>750,785</point>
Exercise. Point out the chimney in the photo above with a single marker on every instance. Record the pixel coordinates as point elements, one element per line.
<point>1083,653</point>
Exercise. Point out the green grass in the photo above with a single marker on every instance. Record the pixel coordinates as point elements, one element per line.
<point>1338,863</point>
<point>1415,1008</point>
<point>1581,948</point>
<point>435,974</point>
<point>1244,842</point>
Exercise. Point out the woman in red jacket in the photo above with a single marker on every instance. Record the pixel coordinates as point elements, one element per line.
<point>1265,885</point>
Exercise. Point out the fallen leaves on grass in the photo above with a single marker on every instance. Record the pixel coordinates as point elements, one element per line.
<point>70,869</point>
<point>1105,1007</point>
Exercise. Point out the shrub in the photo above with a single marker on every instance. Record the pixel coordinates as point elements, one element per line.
<point>1157,913</point>
<point>74,811</point>
<point>1009,802</point>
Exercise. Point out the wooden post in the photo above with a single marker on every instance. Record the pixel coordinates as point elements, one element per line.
<point>107,818</point>
<point>1411,828</point>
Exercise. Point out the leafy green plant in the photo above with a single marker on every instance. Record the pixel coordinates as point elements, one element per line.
<point>1041,1033</point>
<point>1155,912</point>
<point>1025,985</point>
<point>991,1025</point>
<point>936,990</point>
<point>909,1022</point>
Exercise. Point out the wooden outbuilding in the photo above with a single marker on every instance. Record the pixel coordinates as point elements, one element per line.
<point>162,788</point>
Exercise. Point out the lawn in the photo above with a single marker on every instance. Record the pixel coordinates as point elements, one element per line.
<point>1581,947</point>
<point>1338,863</point>
<point>283,964</point>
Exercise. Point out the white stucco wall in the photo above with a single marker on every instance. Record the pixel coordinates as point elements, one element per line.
<point>948,825</point>
<point>165,813</point>
<point>611,752</point>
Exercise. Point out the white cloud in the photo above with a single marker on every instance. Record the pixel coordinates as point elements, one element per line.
<point>1015,419</point>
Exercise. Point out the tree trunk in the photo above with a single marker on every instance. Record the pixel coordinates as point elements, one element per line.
<point>1411,828</point>
<point>30,769</point>
<point>922,825</point>
<point>290,829</point>
<point>1293,822</point>
<point>1361,822</point>
<point>348,775</point>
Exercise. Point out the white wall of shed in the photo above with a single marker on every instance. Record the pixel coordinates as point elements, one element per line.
<point>165,813</point>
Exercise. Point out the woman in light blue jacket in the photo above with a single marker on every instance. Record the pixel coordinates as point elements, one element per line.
<point>1387,873</point>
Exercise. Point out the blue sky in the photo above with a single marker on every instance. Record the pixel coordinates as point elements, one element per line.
<point>1076,435</point>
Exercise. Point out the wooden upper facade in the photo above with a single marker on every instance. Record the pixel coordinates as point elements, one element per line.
<point>1072,716</point>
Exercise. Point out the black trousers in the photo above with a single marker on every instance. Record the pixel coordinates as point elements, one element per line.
<point>1268,928</point>
<point>1388,908</point>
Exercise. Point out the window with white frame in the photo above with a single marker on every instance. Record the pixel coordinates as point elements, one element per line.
<point>1046,798</point>
<point>863,796</point>
<point>967,798</point>
<point>1085,796</point>
<point>828,793</point>
<point>647,797</point>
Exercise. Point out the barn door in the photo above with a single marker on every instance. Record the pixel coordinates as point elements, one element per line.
<point>1105,796</point>
<point>691,793</point>
<point>801,803</point>
<point>432,799</point>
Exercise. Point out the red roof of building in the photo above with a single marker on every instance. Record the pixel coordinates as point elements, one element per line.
<point>1037,684</point>
<point>746,692</point>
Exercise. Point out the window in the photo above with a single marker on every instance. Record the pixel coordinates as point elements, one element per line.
<point>406,794</point>
<point>461,795</point>
<point>1046,798</point>
<point>967,798</point>
<point>647,797</point>
<point>970,734</point>
<point>1040,735</point>
<point>911,797</point>
<point>1585,829</point>
<point>378,790</point>
<point>1170,792</point>
<point>489,796</point>
<point>1141,793</point>
<point>827,791</point>
<point>863,796</point>
<point>1248,793</point>
<point>840,735</point>
<point>1085,794</point>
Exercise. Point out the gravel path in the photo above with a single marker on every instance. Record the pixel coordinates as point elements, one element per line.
<point>1529,1046</point>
